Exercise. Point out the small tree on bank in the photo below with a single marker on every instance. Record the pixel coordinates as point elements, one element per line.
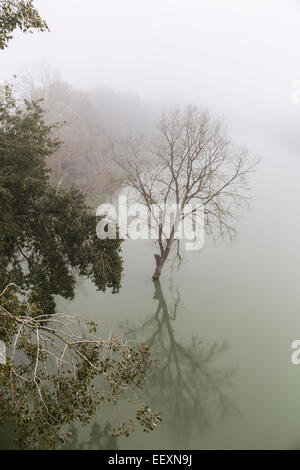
<point>189,160</point>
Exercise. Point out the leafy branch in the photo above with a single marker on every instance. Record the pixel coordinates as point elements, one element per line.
<point>59,371</point>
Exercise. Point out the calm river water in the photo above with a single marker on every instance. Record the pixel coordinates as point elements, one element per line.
<point>220,329</point>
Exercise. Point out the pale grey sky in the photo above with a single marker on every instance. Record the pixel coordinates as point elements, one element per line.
<point>236,57</point>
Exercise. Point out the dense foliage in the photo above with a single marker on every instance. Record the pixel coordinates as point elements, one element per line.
<point>46,236</point>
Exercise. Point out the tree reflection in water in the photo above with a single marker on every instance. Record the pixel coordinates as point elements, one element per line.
<point>183,379</point>
<point>99,439</point>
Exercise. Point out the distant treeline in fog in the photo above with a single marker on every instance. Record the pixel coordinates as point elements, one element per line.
<point>89,122</point>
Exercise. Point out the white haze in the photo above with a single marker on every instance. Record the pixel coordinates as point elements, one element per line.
<point>237,58</point>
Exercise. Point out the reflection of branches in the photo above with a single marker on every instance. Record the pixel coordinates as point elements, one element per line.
<point>99,439</point>
<point>184,382</point>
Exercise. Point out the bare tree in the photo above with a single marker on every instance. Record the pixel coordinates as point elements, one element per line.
<point>189,160</point>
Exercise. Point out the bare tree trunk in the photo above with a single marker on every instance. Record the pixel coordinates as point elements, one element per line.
<point>161,259</point>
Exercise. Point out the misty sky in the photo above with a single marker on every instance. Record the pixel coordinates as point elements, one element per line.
<point>236,57</point>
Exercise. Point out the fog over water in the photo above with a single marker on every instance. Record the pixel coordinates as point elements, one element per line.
<point>239,59</point>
